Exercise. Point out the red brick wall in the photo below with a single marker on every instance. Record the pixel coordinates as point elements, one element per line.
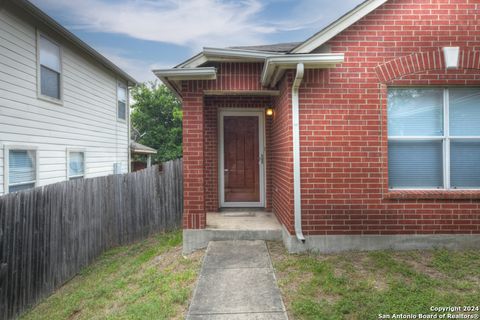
<point>343,126</point>
<point>236,76</point>
<point>343,121</point>
<point>282,155</point>
<point>212,104</point>
<point>200,136</point>
<point>193,157</point>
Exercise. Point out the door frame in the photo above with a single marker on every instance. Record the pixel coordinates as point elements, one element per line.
<point>258,112</point>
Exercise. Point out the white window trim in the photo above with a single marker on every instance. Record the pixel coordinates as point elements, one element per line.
<point>261,146</point>
<point>83,150</point>
<point>127,107</point>
<point>6,159</point>
<point>39,77</point>
<point>446,140</point>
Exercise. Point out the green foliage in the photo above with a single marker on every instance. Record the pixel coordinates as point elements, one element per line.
<point>157,116</point>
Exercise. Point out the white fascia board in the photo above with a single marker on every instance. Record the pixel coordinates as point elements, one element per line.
<point>172,77</point>
<point>172,85</point>
<point>338,26</point>
<point>220,54</point>
<point>193,62</point>
<point>238,53</point>
<point>207,73</point>
<point>140,151</point>
<point>275,66</point>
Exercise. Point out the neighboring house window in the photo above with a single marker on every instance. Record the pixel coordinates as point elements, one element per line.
<point>76,165</point>
<point>434,138</point>
<point>121,101</point>
<point>22,169</point>
<point>50,68</point>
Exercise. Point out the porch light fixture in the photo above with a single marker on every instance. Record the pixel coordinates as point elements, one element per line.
<point>269,111</point>
<point>451,55</point>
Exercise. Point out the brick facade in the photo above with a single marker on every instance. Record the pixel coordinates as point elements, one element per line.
<point>343,132</point>
<point>193,158</point>
<point>282,155</point>
<point>343,121</point>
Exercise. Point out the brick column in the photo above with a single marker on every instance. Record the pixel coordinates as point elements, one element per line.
<point>194,214</point>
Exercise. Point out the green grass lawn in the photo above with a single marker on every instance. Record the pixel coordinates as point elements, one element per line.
<point>147,280</point>
<point>364,285</point>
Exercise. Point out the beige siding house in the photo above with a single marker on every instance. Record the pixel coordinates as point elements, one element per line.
<point>63,106</point>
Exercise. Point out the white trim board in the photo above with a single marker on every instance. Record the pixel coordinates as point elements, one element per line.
<point>226,54</point>
<point>261,146</point>
<point>338,26</point>
<point>67,163</point>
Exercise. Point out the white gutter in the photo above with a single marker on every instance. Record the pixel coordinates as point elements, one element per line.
<point>275,66</point>
<point>172,77</point>
<point>297,196</point>
<point>207,73</point>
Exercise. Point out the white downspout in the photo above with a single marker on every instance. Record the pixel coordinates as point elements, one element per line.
<point>297,196</point>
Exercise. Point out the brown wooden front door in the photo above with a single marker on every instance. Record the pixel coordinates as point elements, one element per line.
<point>241,159</point>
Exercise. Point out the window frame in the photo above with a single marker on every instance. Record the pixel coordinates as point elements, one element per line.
<point>80,150</point>
<point>121,84</point>
<point>6,165</point>
<point>446,139</point>
<point>39,70</point>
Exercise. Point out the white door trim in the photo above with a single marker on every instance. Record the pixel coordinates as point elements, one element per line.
<point>261,152</point>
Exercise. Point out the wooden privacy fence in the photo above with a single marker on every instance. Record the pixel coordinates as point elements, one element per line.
<point>48,234</point>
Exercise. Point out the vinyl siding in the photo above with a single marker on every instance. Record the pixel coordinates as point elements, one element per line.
<point>86,120</point>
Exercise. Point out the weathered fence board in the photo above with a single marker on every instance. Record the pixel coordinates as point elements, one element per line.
<point>48,234</point>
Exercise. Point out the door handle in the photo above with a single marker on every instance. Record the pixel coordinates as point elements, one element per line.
<point>225,170</point>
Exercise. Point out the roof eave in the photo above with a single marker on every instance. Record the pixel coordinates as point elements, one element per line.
<point>62,31</point>
<point>275,66</point>
<point>141,151</point>
<point>205,73</point>
<point>338,26</point>
<point>136,147</point>
<point>231,55</point>
<point>172,77</point>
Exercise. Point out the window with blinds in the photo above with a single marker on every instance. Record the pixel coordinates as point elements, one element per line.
<point>76,165</point>
<point>22,171</point>
<point>50,68</point>
<point>434,138</point>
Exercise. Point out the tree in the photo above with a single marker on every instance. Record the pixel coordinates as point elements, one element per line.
<point>157,116</point>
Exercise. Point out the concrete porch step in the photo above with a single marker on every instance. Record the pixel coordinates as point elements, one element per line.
<point>198,239</point>
<point>233,225</point>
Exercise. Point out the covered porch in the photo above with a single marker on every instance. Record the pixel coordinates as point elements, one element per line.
<point>236,154</point>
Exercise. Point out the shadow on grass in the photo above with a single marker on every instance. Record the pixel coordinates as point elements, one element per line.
<point>147,280</point>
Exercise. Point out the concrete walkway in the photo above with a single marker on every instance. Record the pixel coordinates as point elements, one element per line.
<point>237,282</point>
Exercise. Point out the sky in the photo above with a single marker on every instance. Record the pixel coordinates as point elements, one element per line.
<point>141,35</point>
